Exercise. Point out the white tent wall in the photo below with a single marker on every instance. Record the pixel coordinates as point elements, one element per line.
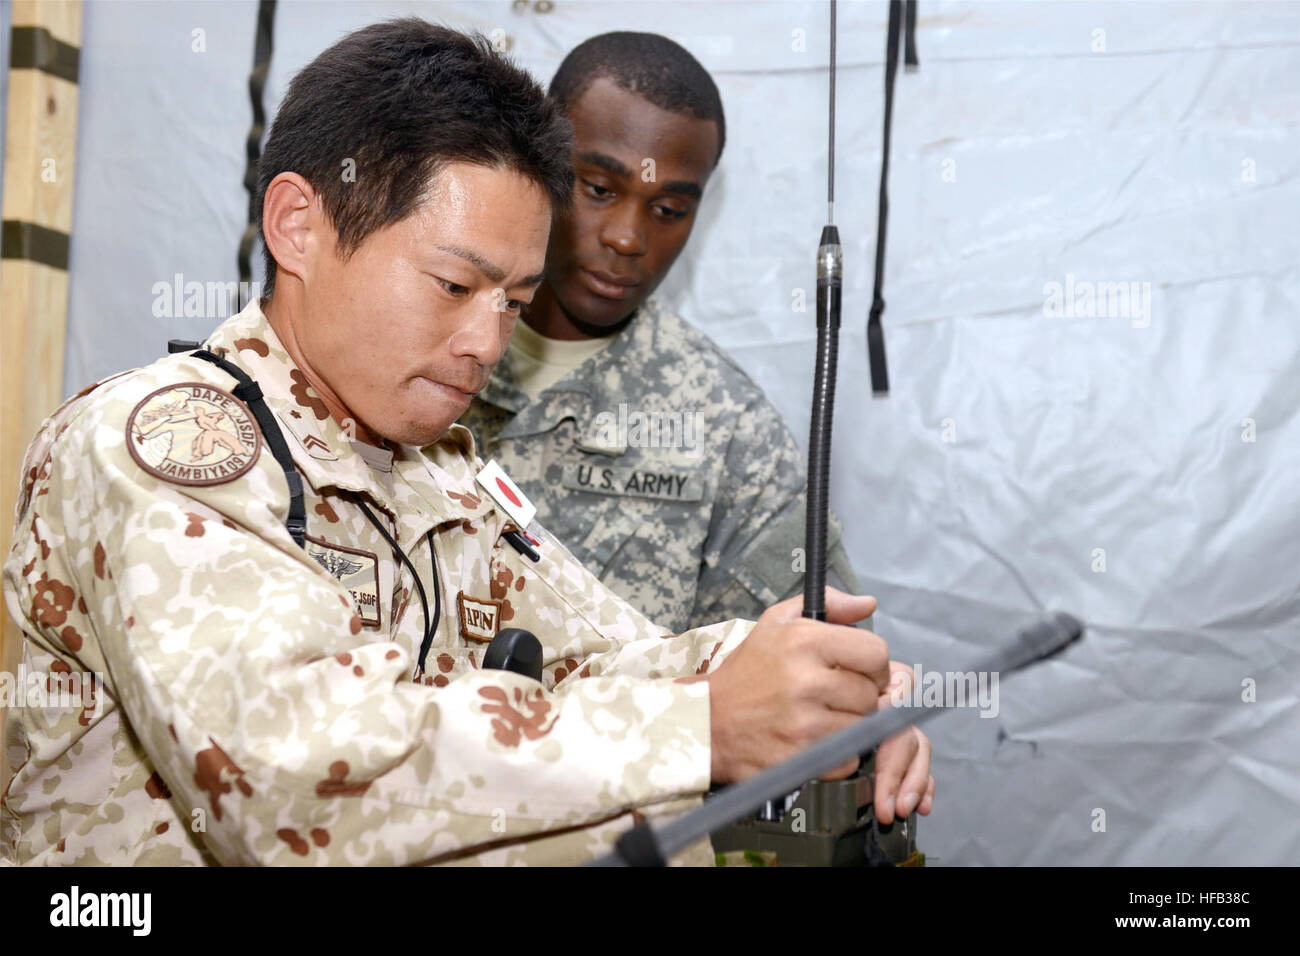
<point>1134,462</point>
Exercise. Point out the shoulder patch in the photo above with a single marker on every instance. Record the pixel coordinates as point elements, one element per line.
<point>193,434</point>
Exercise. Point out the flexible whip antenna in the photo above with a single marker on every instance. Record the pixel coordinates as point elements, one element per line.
<point>830,135</point>
<point>830,279</point>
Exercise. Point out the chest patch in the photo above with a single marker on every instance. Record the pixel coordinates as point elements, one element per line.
<point>480,618</point>
<point>356,570</point>
<point>193,434</point>
<point>663,484</point>
<point>507,495</point>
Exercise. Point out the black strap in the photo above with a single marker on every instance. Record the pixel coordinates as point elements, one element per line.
<point>248,392</point>
<point>875,333</point>
<point>910,62</point>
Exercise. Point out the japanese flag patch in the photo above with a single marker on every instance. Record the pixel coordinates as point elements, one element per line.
<point>506,494</point>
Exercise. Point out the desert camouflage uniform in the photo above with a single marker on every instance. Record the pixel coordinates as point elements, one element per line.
<point>701,532</point>
<point>261,702</point>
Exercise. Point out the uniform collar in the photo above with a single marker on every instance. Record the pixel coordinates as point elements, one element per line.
<point>594,386</point>
<point>323,450</point>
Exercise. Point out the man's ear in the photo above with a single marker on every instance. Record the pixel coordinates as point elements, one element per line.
<point>290,223</point>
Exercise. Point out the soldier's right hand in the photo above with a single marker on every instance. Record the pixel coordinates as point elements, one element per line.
<point>792,681</point>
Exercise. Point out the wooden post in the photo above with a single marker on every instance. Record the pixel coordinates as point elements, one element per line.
<point>40,152</point>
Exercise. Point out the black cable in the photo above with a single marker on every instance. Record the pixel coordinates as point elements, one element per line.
<point>250,393</point>
<point>437,601</point>
<point>263,46</point>
<point>430,626</point>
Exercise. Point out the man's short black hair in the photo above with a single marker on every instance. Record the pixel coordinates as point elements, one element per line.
<point>402,99</point>
<point>648,64</point>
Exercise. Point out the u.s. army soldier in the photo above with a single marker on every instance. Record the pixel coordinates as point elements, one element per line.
<point>287,563</point>
<point>647,449</point>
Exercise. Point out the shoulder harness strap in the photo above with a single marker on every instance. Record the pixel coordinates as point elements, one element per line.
<point>250,393</point>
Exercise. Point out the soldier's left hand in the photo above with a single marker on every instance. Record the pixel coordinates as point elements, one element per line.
<point>903,781</point>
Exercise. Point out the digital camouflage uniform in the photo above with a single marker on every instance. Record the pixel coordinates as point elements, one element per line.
<point>688,501</point>
<point>260,702</point>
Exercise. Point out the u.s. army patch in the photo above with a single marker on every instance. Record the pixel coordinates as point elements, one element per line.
<point>480,618</point>
<point>356,570</point>
<point>658,483</point>
<point>193,434</point>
